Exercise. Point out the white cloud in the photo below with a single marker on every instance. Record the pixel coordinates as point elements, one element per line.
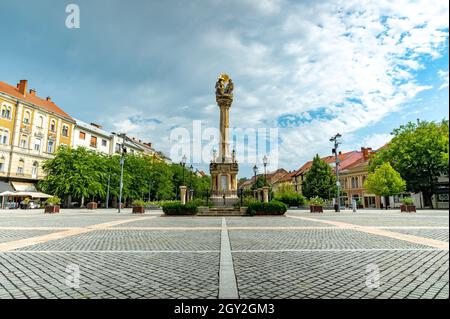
<point>376,140</point>
<point>356,61</point>
<point>444,77</point>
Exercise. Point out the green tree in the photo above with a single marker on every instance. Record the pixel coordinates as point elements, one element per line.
<point>420,153</point>
<point>385,181</point>
<point>260,182</point>
<point>319,180</point>
<point>74,173</point>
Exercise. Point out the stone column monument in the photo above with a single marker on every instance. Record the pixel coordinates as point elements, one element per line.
<point>223,167</point>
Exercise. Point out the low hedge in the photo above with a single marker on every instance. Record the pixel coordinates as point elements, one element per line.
<point>274,207</point>
<point>291,199</point>
<point>175,208</point>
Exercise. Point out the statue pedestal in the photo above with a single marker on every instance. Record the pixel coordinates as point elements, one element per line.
<point>224,183</point>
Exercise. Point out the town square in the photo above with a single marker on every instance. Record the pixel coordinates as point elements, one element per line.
<point>235,150</point>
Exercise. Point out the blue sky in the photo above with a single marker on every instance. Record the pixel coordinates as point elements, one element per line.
<point>308,68</point>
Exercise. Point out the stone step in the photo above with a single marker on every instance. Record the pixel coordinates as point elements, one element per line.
<point>221,211</point>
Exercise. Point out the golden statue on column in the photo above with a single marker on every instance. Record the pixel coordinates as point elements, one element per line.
<point>223,167</point>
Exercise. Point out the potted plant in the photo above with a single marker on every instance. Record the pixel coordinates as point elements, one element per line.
<point>408,205</point>
<point>359,204</point>
<point>138,206</point>
<point>92,205</point>
<point>316,205</point>
<point>52,205</point>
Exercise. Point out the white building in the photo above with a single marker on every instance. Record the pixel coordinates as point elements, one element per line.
<point>92,137</point>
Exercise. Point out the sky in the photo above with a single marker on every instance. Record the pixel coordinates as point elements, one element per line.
<point>309,69</point>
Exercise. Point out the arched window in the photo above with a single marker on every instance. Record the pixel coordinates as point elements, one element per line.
<point>2,164</point>
<point>26,117</point>
<point>41,121</point>
<point>6,111</point>
<point>20,166</point>
<point>34,170</point>
<point>65,131</point>
<point>53,125</point>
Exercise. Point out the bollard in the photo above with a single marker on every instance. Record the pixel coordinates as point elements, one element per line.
<point>354,205</point>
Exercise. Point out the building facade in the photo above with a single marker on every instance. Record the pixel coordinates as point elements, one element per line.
<point>92,137</point>
<point>31,130</point>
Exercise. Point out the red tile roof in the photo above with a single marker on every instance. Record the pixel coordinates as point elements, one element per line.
<point>328,159</point>
<point>33,99</point>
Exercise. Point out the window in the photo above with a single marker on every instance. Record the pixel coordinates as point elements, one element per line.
<point>26,117</point>
<point>20,167</point>
<point>41,122</point>
<point>4,136</point>
<point>104,143</point>
<point>117,148</point>
<point>34,170</point>
<point>53,125</point>
<point>355,183</point>
<point>82,136</point>
<point>2,164</point>
<point>23,143</point>
<point>93,142</point>
<point>6,112</point>
<point>37,144</point>
<point>65,131</point>
<point>50,146</point>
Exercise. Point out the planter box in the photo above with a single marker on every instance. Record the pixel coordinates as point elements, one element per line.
<point>407,208</point>
<point>316,209</point>
<point>91,205</point>
<point>138,209</point>
<point>51,209</point>
<point>359,206</point>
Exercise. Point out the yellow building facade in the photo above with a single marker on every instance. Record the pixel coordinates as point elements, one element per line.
<point>31,130</point>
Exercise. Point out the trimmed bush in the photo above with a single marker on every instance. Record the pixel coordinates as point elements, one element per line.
<point>291,199</point>
<point>176,208</point>
<point>138,203</point>
<point>53,201</point>
<point>316,201</point>
<point>408,201</point>
<point>272,208</point>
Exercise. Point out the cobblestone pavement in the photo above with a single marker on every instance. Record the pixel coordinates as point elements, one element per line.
<point>102,254</point>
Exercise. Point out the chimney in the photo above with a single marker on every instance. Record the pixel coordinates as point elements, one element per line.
<point>366,152</point>
<point>22,86</point>
<point>96,125</point>
<point>33,92</point>
<point>49,99</point>
<point>340,152</point>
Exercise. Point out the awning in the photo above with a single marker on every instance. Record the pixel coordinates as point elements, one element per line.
<point>26,194</point>
<point>5,186</point>
<point>24,187</point>
<point>7,193</point>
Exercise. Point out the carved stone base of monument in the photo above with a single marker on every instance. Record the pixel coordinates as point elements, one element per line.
<point>265,194</point>
<point>183,194</point>
<point>224,184</point>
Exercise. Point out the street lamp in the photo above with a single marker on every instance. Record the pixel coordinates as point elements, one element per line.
<point>183,164</point>
<point>265,160</point>
<point>255,171</point>
<point>122,162</point>
<point>336,140</point>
